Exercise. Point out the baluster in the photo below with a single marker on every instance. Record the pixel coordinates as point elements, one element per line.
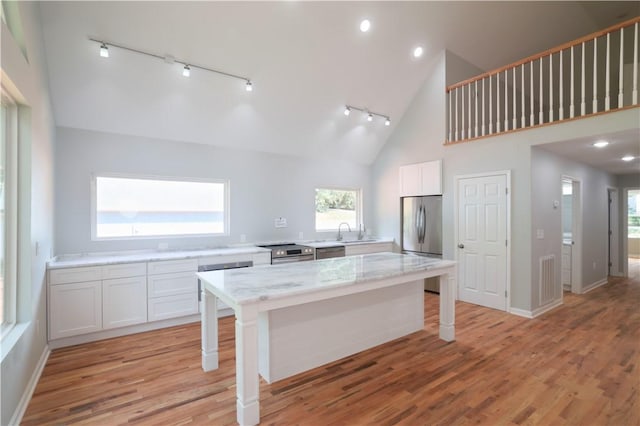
<point>476,106</point>
<point>456,98</point>
<point>462,105</point>
<point>634,93</point>
<point>490,106</point>
<point>522,92</point>
<point>531,106</point>
<point>551,88</point>
<point>498,102</point>
<point>506,101</point>
<point>560,89</point>
<point>541,117</point>
<point>595,76</point>
<point>515,120</point>
<point>607,79</point>
<point>470,135</point>
<point>450,117</point>
<point>621,74</point>
<point>571,107</point>
<point>583,103</point>
<point>483,108</point>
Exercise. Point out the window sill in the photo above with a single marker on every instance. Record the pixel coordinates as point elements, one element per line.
<point>12,337</point>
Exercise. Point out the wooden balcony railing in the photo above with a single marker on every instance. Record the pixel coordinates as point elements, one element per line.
<point>590,75</point>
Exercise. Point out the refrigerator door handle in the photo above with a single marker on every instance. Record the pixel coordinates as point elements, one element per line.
<point>424,224</point>
<point>418,222</point>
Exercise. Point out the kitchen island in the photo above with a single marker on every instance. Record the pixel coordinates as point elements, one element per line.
<point>294,317</point>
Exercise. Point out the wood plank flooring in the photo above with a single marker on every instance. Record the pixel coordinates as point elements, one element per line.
<point>576,365</point>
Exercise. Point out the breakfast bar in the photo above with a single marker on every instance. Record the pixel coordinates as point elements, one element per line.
<point>294,317</point>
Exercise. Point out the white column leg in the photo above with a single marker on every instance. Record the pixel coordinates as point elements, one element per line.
<point>447,307</point>
<point>247,381</point>
<point>209,330</point>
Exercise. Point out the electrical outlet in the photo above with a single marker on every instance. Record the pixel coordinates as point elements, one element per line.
<point>280,222</point>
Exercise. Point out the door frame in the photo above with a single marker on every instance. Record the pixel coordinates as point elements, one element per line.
<point>613,213</point>
<point>576,234</point>
<point>456,181</point>
<point>625,228</point>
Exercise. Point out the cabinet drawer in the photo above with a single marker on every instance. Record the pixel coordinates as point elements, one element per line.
<point>74,275</point>
<point>170,266</point>
<point>166,307</point>
<point>172,284</point>
<point>75,309</point>
<point>124,270</point>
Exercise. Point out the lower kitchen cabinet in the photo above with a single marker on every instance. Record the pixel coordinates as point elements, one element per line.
<point>124,302</point>
<point>75,309</point>
<point>166,307</point>
<point>366,248</point>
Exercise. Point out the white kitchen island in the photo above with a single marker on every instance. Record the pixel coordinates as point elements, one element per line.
<point>294,317</point>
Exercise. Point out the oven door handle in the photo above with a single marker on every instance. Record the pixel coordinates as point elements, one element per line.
<point>280,260</point>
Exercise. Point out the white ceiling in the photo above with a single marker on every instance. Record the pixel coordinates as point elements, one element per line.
<point>608,158</point>
<point>306,59</point>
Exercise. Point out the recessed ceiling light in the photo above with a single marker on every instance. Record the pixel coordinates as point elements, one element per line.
<point>418,51</point>
<point>104,50</point>
<point>347,111</point>
<point>628,158</point>
<point>186,71</point>
<point>365,25</point>
<point>387,122</point>
<point>248,86</point>
<point>370,117</point>
<point>601,144</point>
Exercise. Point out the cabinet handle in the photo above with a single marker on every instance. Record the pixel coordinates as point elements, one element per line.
<point>461,245</point>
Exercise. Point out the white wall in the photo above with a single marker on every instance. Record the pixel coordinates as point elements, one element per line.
<point>29,81</point>
<point>547,170</point>
<point>263,187</point>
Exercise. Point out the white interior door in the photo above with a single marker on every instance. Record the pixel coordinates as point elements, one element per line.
<point>482,240</point>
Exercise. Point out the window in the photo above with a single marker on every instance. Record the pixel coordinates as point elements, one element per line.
<point>8,213</point>
<point>633,204</point>
<point>335,206</point>
<point>128,207</point>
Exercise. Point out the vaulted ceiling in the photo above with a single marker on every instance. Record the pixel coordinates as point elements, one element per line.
<point>305,59</point>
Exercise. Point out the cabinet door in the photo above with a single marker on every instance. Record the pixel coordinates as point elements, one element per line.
<point>75,309</point>
<point>125,301</point>
<point>409,180</point>
<point>431,178</point>
<point>172,284</point>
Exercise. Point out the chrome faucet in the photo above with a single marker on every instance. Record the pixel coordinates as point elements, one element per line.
<point>339,238</point>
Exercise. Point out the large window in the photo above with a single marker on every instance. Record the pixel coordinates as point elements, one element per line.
<point>633,204</point>
<point>132,207</point>
<point>336,206</point>
<point>8,213</point>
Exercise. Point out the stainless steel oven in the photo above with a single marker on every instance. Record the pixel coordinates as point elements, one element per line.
<point>289,253</point>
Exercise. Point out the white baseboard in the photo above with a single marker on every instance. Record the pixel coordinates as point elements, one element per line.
<point>536,312</point>
<point>521,312</point>
<point>31,387</point>
<point>594,286</point>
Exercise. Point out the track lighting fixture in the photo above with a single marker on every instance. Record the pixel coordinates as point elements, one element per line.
<point>369,114</point>
<point>186,70</point>
<point>104,50</point>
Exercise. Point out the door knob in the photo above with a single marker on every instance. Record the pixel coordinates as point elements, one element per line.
<point>460,245</point>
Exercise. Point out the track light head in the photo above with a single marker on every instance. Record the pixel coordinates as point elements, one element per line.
<point>248,86</point>
<point>347,111</point>
<point>387,122</point>
<point>104,50</point>
<point>370,117</point>
<point>186,71</point>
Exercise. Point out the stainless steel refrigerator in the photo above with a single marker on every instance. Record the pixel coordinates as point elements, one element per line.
<point>422,229</point>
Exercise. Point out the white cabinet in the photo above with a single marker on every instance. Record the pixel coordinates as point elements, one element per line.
<point>172,289</point>
<point>421,179</point>
<point>124,302</point>
<point>366,248</point>
<point>75,309</point>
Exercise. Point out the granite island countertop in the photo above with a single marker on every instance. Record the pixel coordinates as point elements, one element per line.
<point>247,285</point>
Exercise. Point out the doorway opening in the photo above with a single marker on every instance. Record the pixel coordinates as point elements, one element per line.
<point>633,233</point>
<point>571,212</point>
<point>614,232</point>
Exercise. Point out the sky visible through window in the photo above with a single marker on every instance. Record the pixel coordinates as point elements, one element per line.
<point>130,207</point>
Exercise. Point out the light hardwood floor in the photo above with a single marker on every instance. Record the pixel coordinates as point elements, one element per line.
<point>577,364</point>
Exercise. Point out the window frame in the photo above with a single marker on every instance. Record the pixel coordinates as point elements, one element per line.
<point>94,206</point>
<point>10,286</point>
<point>358,208</point>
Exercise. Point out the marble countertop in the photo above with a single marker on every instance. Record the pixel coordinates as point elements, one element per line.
<point>96,259</point>
<point>334,243</point>
<point>249,285</point>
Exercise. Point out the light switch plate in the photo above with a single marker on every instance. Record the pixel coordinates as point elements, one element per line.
<point>280,222</point>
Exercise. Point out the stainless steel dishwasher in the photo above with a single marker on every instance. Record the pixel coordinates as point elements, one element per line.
<point>329,252</point>
<point>218,267</point>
